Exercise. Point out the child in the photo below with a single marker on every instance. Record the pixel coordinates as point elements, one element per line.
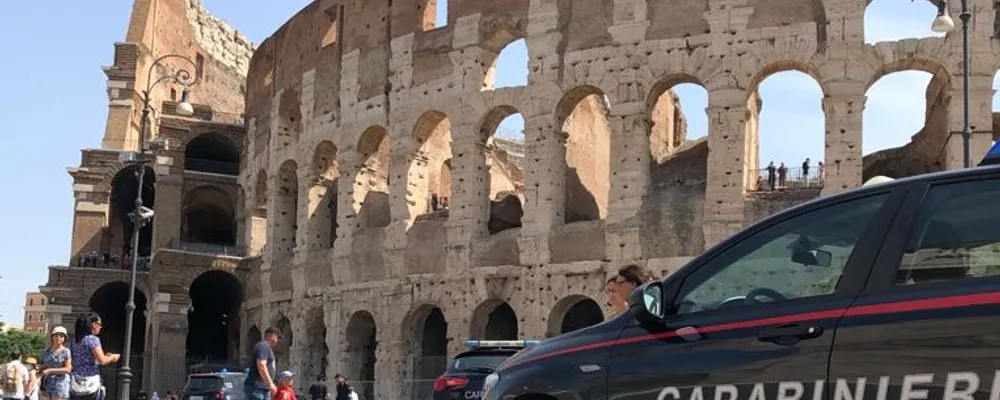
<point>285,390</point>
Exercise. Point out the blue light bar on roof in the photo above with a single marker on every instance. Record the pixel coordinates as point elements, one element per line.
<point>993,156</point>
<point>499,343</point>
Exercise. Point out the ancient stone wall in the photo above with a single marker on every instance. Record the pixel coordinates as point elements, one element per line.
<point>217,55</point>
<point>608,176</point>
<point>360,113</point>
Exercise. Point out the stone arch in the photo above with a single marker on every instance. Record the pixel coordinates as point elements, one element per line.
<point>316,353</point>
<point>214,318</point>
<point>582,116</point>
<point>784,66</point>
<point>289,118</point>
<point>928,65</point>
<point>253,337</point>
<point>493,320</point>
<point>573,313</point>
<point>283,350</point>
<point>432,133</point>
<point>372,179</point>
<point>209,216</point>
<point>919,151</point>
<point>501,34</point>
<point>360,352</point>
<point>426,329</point>
<point>213,153</point>
<point>666,121</point>
<point>757,175</point>
<point>124,188</point>
<point>286,206</point>
<point>108,301</point>
<point>323,196</point>
<point>505,177</point>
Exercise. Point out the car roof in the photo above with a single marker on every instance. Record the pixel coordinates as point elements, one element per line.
<point>489,351</point>
<point>895,184</point>
<point>214,374</point>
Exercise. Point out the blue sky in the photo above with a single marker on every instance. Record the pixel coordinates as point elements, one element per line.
<point>54,103</point>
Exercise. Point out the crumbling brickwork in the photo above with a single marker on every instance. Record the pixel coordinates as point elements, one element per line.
<point>194,240</point>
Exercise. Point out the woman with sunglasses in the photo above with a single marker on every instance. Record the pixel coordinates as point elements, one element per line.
<point>623,283</point>
<point>56,367</point>
<point>87,355</point>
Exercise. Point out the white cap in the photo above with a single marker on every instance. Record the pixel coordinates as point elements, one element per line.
<point>59,329</point>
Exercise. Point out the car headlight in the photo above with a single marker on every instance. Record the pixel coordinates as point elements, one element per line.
<point>490,381</point>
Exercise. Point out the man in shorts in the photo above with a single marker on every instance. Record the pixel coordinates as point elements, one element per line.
<point>259,384</point>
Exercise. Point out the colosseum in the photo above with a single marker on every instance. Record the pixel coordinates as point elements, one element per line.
<point>342,181</point>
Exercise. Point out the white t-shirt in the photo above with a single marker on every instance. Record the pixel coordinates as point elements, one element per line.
<point>22,372</point>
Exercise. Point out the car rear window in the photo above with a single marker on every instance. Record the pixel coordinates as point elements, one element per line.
<point>478,362</point>
<point>200,384</point>
<point>234,383</point>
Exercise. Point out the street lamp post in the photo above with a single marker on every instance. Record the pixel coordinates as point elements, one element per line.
<point>943,24</point>
<point>141,215</point>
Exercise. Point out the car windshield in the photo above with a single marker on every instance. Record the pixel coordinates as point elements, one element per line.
<point>200,384</point>
<point>477,362</point>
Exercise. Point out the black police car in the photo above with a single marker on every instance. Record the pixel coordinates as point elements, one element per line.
<point>887,291</point>
<point>464,376</point>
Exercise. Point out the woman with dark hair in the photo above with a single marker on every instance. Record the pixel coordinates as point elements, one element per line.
<point>87,355</point>
<point>623,283</point>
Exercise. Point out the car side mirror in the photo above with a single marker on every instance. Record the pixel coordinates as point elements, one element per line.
<point>646,302</point>
<point>818,258</point>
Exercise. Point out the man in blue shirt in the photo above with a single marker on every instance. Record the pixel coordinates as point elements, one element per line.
<point>259,384</point>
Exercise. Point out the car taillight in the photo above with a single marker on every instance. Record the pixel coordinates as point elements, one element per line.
<point>446,383</point>
<point>220,395</point>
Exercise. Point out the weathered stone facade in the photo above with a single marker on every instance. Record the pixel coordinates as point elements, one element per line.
<point>608,175</point>
<point>359,112</point>
<point>192,186</point>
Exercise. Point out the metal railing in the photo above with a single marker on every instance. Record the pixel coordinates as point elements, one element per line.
<point>208,248</point>
<point>789,179</point>
<point>112,263</point>
<point>211,166</point>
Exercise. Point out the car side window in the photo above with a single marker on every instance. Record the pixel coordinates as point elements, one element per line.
<point>802,256</point>
<point>956,235</point>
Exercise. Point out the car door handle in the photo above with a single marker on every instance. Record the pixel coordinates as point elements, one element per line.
<point>790,333</point>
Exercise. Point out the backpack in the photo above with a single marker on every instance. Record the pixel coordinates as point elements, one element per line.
<point>11,382</point>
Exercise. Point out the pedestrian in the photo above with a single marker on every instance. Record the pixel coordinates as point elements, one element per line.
<point>87,355</point>
<point>31,393</point>
<point>57,364</point>
<point>15,377</point>
<point>318,390</point>
<point>259,383</point>
<point>343,388</point>
<point>623,283</point>
<point>805,169</point>
<point>285,390</point>
<point>770,174</point>
<point>782,175</point>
